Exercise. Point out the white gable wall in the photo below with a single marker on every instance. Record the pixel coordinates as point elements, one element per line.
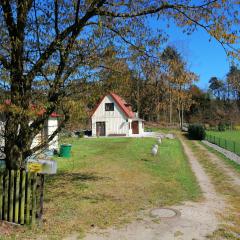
<point>52,126</point>
<point>141,127</point>
<point>2,127</point>
<point>2,140</point>
<point>116,121</point>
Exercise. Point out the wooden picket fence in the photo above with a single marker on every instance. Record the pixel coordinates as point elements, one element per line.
<point>21,196</point>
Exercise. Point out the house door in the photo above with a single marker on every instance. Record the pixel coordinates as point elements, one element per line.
<point>101,128</point>
<point>135,129</point>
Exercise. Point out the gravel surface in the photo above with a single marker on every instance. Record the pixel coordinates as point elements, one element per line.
<point>232,156</point>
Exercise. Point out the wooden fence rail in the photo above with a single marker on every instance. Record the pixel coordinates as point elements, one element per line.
<point>20,196</point>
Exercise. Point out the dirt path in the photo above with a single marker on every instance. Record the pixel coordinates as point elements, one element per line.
<point>197,219</point>
<point>235,177</point>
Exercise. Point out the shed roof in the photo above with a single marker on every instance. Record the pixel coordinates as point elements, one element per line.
<point>120,102</point>
<point>40,111</point>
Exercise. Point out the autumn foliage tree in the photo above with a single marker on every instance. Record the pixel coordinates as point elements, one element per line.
<point>233,81</point>
<point>44,45</point>
<point>179,80</point>
<point>217,105</point>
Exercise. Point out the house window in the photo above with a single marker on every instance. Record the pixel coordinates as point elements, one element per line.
<point>109,106</point>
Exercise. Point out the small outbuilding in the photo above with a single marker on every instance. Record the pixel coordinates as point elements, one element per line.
<point>50,125</point>
<point>113,116</point>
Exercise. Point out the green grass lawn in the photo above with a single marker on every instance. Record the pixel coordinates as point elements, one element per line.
<point>108,181</point>
<point>229,140</point>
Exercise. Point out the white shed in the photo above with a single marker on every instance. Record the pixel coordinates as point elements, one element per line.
<point>114,117</point>
<point>50,126</point>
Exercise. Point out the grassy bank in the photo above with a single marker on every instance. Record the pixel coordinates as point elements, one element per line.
<point>108,181</point>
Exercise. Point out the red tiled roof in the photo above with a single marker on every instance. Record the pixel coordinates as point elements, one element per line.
<point>52,115</point>
<point>40,112</point>
<point>120,102</point>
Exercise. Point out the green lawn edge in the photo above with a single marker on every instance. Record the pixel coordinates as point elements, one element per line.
<point>223,157</point>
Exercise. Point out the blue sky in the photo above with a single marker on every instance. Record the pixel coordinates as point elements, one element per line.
<point>206,59</point>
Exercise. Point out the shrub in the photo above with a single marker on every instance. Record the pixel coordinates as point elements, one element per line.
<point>196,132</point>
<point>221,127</point>
<point>81,134</point>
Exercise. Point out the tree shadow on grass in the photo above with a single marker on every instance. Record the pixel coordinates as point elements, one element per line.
<point>67,185</point>
<point>76,177</point>
<point>80,196</point>
<point>145,160</point>
<point>99,197</point>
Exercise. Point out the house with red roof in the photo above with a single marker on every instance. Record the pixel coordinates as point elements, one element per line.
<point>113,116</point>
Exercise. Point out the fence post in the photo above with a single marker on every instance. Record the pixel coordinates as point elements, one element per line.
<point>1,194</point>
<point>41,196</point>
<point>28,192</point>
<point>34,198</point>
<point>23,192</point>
<point>11,192</point>
<point>5,193</point>
<point>16,215</point>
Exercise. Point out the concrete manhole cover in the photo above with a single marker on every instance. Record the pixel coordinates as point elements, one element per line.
<point>164,213</point>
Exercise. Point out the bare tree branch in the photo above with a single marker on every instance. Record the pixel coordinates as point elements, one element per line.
<point>203,27</point>
<point>37,27</point>
<point>144,12</point>
<point>76,27</point>
<point>8,17</point>
<point>23,7</point>
<point>152,10</point>
<point>56,17</point>
<point>4,62</point>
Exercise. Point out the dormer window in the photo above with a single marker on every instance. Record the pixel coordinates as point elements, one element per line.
<point>109,107</point>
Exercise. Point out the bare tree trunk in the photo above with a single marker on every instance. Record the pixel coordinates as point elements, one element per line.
<point>182,116</point>
<point>170,105</point>
<point>138,93</point>
<point>179,116</point>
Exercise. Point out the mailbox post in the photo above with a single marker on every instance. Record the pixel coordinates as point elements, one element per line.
<point>42,167</point>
